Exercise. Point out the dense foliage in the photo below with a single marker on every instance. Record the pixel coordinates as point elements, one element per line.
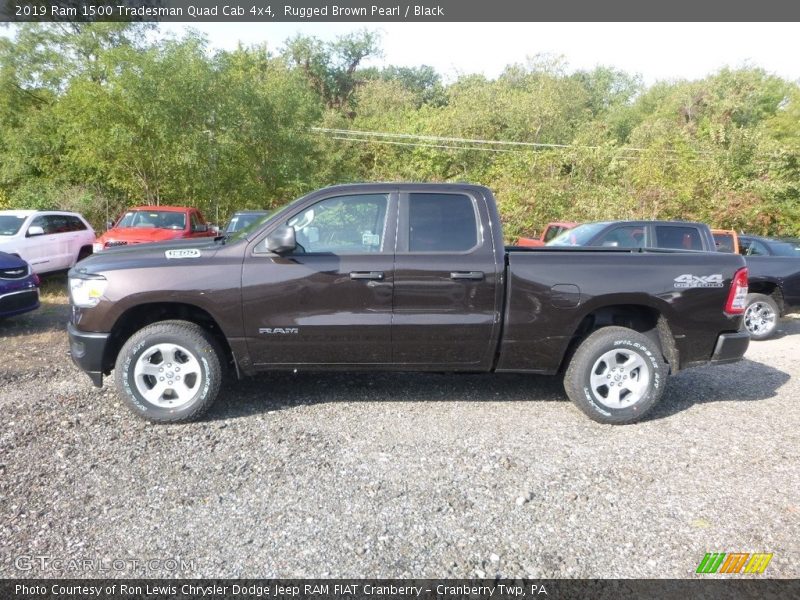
<point>97,117</point>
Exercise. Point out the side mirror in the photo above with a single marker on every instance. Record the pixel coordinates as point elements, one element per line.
<point>282,240</point>
<point>109,224</point>
<point>35,230</point>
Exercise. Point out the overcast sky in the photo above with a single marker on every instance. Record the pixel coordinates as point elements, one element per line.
<point>656,51</point>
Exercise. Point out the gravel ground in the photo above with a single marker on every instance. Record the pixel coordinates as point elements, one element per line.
<point>395,475</point>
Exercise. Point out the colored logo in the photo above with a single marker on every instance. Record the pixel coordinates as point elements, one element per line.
<point>720,562</point>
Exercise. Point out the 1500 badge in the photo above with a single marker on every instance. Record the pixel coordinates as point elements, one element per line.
<point>183,253</point>
<point>699,281</point>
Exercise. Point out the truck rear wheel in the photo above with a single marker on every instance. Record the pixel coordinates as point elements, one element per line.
<point>169,371</point>
<point>616,376</point>
<point>760,316</point>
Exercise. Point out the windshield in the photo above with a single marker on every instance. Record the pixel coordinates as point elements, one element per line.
<point>580,236</point>
<point>784,249</point>
<point>244,221</point>
<point>10,224</point>
<point>157,219</point>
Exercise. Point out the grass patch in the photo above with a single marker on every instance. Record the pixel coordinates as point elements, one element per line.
<point>54,288</point>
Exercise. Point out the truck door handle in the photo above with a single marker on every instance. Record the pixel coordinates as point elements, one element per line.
<point>366,275</point>
<point>477,275</point>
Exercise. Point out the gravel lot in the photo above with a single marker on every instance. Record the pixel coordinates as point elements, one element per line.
<point>396,475</point>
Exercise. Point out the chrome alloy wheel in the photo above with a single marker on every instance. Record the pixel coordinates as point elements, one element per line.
<point>167,375</point>
<point>620,378</point>
<point>759,318</point>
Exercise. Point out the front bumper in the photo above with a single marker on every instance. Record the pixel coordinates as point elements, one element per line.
<point>87,350</point>
<point>19,301</point>
<point>730,347</point>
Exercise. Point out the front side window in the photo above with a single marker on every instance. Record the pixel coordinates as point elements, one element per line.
<point>46,222</point>
<point>343,225</point>
<point>441,223</point>
<point>629,236</point>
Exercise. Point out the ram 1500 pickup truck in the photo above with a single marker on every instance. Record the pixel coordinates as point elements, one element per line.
<point>410,277</point>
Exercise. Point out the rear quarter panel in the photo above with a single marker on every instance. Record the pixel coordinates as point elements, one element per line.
<point>784,271</point>
<point>539,323</point>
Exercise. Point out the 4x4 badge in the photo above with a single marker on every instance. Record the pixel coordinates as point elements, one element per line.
<point>698,281</point>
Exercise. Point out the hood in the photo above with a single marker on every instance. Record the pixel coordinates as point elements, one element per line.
<point>140,235</point>
<point>148,255</point>
<point>9,261</point>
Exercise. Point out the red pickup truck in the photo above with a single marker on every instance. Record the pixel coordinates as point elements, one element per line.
<point>144,224</point>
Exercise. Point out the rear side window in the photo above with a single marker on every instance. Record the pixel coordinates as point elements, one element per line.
<point>680,238</point>
<point>724,242</point>
<point>441,223</point>
<point>75,224</point>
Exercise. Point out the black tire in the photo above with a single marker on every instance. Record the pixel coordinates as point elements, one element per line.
<point>83,253</point>
<point>761,316</point>
<point>184,341</point>
<point>636,359</point>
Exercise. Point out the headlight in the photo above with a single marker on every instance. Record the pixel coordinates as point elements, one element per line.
<point>86,293</point>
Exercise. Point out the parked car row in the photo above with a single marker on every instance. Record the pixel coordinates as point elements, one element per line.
<point>774,264</point>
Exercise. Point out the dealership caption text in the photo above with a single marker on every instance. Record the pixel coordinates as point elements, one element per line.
<point>200,591</point>
<point>285,11</point>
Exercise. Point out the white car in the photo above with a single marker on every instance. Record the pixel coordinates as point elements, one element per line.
<point>48,240</point>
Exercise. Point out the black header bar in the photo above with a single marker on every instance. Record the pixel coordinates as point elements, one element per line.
<point>384,11</point>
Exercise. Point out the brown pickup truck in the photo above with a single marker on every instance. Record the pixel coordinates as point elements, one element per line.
<point>408,277</point>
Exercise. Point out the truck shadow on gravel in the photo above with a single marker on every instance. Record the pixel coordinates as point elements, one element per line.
<point>746,381</point>
<point>279,390</point>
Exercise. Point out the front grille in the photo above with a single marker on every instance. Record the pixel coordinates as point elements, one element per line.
<point>14,273</point>
<point>18,300</point>
<point>112,244</point>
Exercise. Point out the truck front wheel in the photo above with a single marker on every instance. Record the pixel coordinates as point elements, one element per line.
<point>616,376</point>
<point>169,371</point>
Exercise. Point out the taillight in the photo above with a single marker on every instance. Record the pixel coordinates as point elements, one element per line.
<point>737,297</point>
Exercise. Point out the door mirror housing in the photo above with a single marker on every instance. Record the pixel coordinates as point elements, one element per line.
<point>34,230</point>
<point>109,224</point>
<point>282,240</point>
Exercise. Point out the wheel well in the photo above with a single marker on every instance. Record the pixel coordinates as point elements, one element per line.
<point>644,319</point>
<point>770,289</point>
<point>140,316</point>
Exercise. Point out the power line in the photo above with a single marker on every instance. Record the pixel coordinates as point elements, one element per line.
<point>418,145</point>
<point>437,138</point>
<point>470,148</point>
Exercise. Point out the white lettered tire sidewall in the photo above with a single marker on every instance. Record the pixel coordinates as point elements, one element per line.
<point>183,333</point>
<point>578,376</point>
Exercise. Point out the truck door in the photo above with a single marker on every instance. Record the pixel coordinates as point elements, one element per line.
<point>330,301</point>
<point>447,286</point>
